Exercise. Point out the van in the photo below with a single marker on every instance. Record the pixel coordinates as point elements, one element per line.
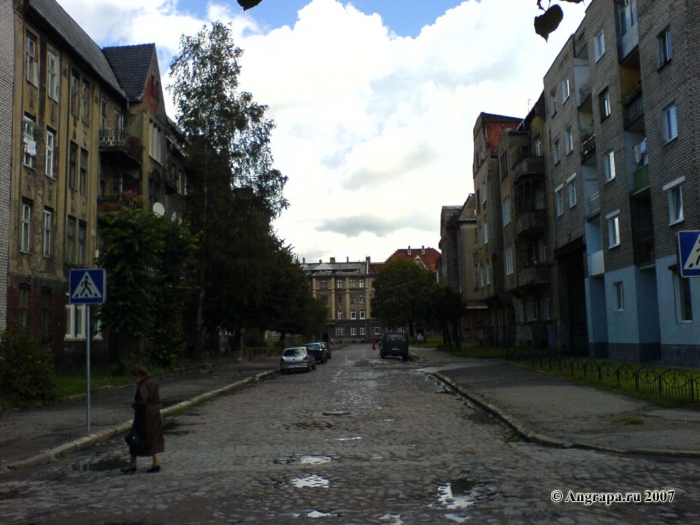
<point>394,344</point>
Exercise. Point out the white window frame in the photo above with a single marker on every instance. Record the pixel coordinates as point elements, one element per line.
<point>50,151</point>
<point>340,314</point>
<point>353,314</point>
<point>362,314</point>
<point>353,330</point>
<point>377,330</point>
<point>32,59</point>
<point>619,288</point>
<point>571,186</point>
<point>569,141</point>
<point>538,147</point>
<point>48,230</point>
<point>605,106</point>
<point>553,102</point>
<point>559,199</point>
<point>509,260</point>
<point>28,139</point>
<point>26,228</point>
<point>670,126</point>
<point>665,47</point>
<point>674,190</point>
<point>609,165</point>
<point>599,45</point>
<point>363,330</point>
<point>613,229</point>
<point>556,154</point>
<point>53,76</point>
<point>506,211</point>
<point>485,232</point>
<point>565,90</point>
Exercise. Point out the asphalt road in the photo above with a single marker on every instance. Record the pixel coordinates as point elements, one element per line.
<point>360,440</point>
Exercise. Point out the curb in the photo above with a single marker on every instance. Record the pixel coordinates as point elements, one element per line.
<point>91,439</point>
<point>541,439</point>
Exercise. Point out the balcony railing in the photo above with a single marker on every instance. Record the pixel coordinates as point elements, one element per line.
<point>534,275</point>
<point>528,166</point>
<point>634,111</point>
<point>587,147</point>
<point>593,204</point>
<point>117,141</point>
<point>530,221</point>
<point>596,263</point>
<point>644,251</point>
<point>641,179</point>
<point>584,91</point>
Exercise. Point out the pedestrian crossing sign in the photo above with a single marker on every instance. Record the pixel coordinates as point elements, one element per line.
<point>88,287</point>
<point>689,253</point>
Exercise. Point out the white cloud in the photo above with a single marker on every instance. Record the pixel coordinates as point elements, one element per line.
<point>373,131</point>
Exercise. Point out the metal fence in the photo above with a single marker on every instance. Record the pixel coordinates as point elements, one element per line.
<point>664,382</point>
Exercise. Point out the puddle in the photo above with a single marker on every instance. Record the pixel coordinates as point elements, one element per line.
<point>455,518</point>
<point>303,460</point>
<point>348,438</point>
<point>318,514</point>
<point>478,416</point>
<point>312,481</point>
<point>395,517</point>
<point>336,412</point>
<point>457,495</point>
<point>103,465</point>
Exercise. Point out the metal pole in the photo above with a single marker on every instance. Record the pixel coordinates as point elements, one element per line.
<point>88,345</point>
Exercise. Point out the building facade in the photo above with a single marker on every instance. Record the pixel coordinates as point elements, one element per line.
<point>7,42</point>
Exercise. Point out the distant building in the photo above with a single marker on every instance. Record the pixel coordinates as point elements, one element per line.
<point>426,257</point>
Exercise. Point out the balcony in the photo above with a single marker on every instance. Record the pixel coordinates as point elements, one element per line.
<point>534,275</point>
<point>532,166</point>
<point>587,147</point>
<point>530,221</point>
<point>593,205</point>
<point>117,145</point>
<point>596,263</point>
<point>641,179</point>
<point>644,251</point>
<point>634,112</point>
<point>584,91</point>
<point>628,42</point>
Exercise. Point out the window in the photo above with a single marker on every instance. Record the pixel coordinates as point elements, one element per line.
<point>29,127</point>
<point>53,77</point>
<point>32,60</point>
<point>323,284</point>
<point>23,305</point>
<point>103,115</point>
<point>340,283</point>
<point>538,147</point>
<point>675,200</point>
<point>609,165</point>
<point>340,298</point>
<point>76,322</point>
<point>73,166</point>
<point>362,299</point>
<point>665,48</point>
<point>25,240</point>
<point>556,155</point>
<point>353,314</point>
<point>352,283</point>
<point>70,240</point>
<point>553,102</point>
<point>509,260</point>
<point>340,314</point>
<point>377,330</point>
<point>353,298</point>
<point>532,309</point>
<point>82,233</point>
<point>539,198</point>
<point>599,46</point>
<point>619,295</point>
<point>50,148</point>
<point>488,273</point>
<point>363,330</point>
<point>605,107</point>
<point>544,308</point>
<point>684,305</point>
<point>353,330</point>
<point>361,283</point>
<point>613,229</point>
<point>565,91</point>
<point>486,232</point>
<point>559,199</point>
<point>48,230</point>
<point>483,192</point>
<point>571,185</point>
<point>670,124</point>
<point>627,14</point>
<point>506,211</point>
<point>83,171</point>
<point>75,94</point>
<point>542,250</point>
<point>85,103</point>
<point>155,143</point>
<point>362,314</point>
<point>569,141</point>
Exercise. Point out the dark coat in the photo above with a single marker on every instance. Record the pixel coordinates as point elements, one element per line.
<point>147,420</point>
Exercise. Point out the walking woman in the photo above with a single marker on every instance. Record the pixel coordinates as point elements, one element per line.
<point>146,437</point>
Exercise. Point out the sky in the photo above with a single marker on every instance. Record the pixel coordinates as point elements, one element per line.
<point>374,100</point>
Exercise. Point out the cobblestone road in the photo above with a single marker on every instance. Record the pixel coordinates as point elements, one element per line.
<point>359,441</point>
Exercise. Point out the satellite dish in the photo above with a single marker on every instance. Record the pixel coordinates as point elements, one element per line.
<point>159,209</point>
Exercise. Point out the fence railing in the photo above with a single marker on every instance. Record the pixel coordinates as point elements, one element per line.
<point>664,382</point>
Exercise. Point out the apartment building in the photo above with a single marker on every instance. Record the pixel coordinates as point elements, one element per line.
<point>346,289</point>
<point>488,259</point>
<point>7,42</point>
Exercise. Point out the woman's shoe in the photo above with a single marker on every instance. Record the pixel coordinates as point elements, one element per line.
<point>127,470</point>
<point>153,469</point>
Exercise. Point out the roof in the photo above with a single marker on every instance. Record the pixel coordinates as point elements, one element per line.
<point>428,256</point>
<point>68,29</point>
<point>131,65</point>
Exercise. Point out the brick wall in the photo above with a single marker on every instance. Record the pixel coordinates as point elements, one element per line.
<point>6,97</point>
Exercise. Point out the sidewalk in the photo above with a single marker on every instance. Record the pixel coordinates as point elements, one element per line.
<point>556,412</point>
<point>38,435</point>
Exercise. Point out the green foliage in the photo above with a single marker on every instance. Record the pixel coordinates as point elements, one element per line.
<point>146,258</point>
<point>26,369</point>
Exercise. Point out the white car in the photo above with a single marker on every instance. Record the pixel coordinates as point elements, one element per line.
<point>297,358</point>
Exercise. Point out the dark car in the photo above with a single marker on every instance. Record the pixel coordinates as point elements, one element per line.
<point>394,344</point>
<point>328,349</point>
<point>297,358</point>
<point>318,351</point>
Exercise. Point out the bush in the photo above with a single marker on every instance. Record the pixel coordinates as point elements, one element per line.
<point>27,374</point>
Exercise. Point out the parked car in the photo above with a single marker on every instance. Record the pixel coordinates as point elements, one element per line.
<point>318,352</point>
<point>328,349</point>
<point>395,344</point>
<point>297,358</point>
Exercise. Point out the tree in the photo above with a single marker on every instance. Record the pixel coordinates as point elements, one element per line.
<point>445,309</point>
<point>401,293</point>
<point>146,258</point>
<point>544,24</point>
<point>237,192</point>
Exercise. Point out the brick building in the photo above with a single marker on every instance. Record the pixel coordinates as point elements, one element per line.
<point>7,43</point>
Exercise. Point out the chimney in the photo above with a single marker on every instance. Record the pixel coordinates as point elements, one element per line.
<point>422,250</point>
<point>409,250</point>
<point>348,259</point>
<point>304,259</point>
<point>320,261</point>
<point>332,260</point>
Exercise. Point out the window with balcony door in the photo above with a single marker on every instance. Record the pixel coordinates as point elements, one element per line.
<point>670,124</point>
<point>664,47</point>
<point>609,165</point>
<point>674,190</point>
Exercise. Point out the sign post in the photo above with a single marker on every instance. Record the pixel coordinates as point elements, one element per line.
<point>88,287</point>
<point>689,253</point>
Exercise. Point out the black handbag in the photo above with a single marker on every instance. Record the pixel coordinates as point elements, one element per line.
<point>137,445</point>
